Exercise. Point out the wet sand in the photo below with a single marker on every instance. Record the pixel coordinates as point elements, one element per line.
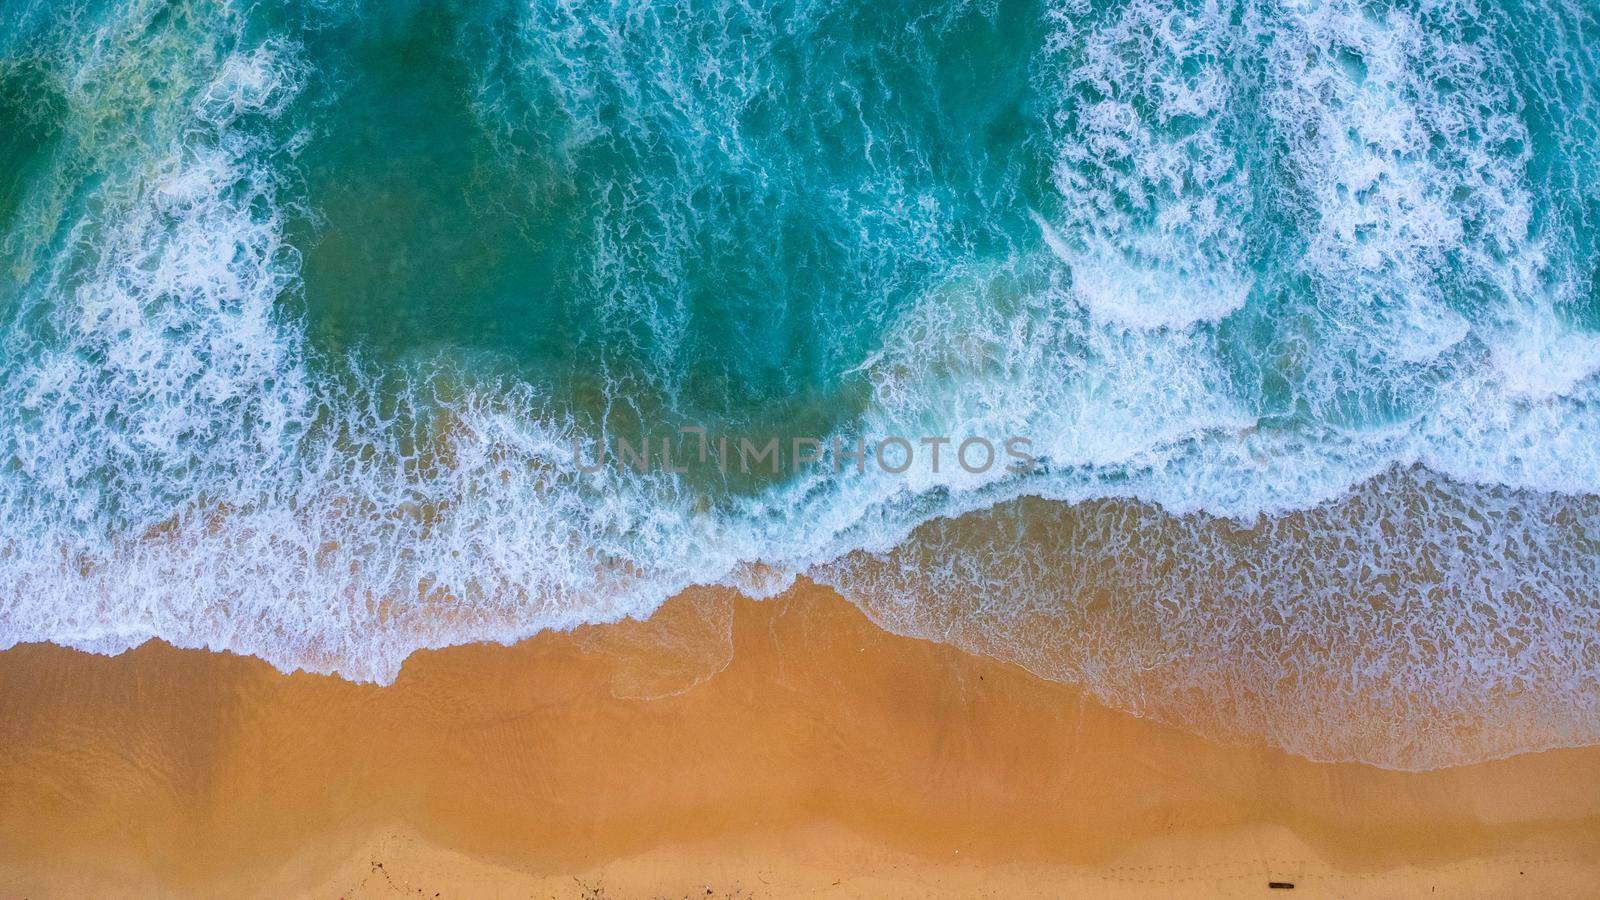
<point>725,748</point>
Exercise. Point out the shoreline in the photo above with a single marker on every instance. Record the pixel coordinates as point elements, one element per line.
<point>753,748</point>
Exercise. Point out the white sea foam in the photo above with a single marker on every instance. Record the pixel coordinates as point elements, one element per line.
<point>1538,357</point>
<point>1152,192</point>
<point>176,468</point>
<point>1411,624</point>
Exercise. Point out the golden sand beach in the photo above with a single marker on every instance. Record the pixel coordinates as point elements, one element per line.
<point>725,748</point>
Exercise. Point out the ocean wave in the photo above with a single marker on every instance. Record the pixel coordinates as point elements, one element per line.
<point>1412,623</point>
<point>1299,319</point>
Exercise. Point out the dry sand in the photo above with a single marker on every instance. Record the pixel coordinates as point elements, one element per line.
<point>725,748</point>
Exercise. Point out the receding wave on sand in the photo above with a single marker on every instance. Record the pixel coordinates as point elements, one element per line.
<point>725,747</point>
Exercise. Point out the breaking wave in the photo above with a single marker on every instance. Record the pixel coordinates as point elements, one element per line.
<point>1295,300</point>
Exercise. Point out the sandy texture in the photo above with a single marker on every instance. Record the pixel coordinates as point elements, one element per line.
<point>725,748</point>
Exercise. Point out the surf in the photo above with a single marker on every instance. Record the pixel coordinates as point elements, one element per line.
<point>307,305</point>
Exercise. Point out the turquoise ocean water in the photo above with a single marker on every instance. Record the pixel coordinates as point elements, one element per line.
<point>304,304</point>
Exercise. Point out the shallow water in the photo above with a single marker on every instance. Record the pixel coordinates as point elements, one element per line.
<point>1297,303</point>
